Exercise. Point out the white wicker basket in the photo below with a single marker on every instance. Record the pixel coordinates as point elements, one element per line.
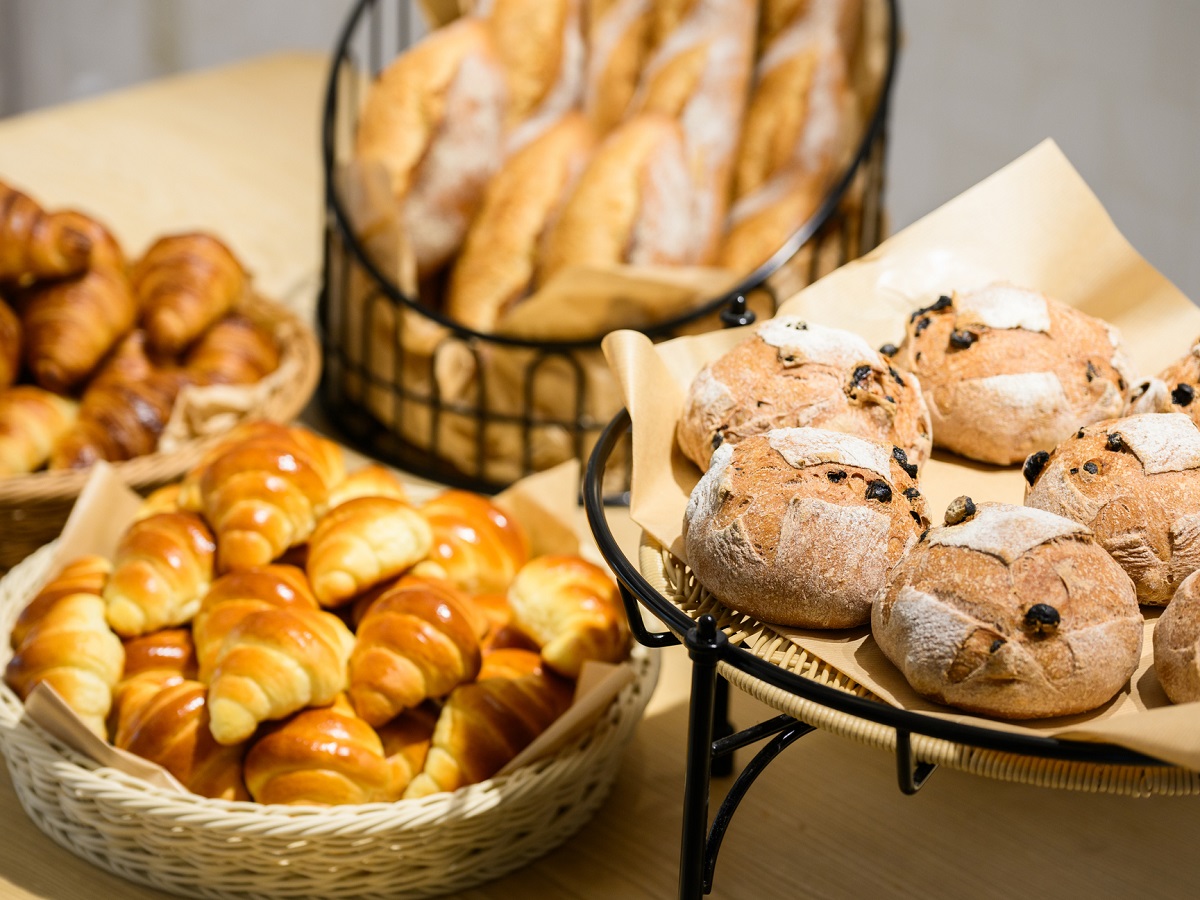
<point>210,848</point>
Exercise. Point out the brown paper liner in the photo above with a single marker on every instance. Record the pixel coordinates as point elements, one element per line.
<point>1034,223</point>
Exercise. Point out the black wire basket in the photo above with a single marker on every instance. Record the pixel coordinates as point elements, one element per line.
<point>523,405</point>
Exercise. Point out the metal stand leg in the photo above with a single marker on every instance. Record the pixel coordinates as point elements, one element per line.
<point>703,642</point>
<point>722,766</point>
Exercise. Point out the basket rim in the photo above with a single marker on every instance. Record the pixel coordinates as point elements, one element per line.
<point>146,800</point>
<point>756,279</point>
<point>158,467</point>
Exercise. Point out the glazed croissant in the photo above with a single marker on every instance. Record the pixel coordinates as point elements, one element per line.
<point>85,575</point>
<point>71,648</point>
<point>417,641</point>
<point>477,544</point>
<point>32,421</point>
<point>370,481</point>
<point>184,284</point>
<point>234,351</point>
<point>323,757</point>
<point>161,500</point>
<point>36,244</point>
<point>406,741</point>
<point>486,724</point>
<point>10,345</point>
<point>171,728</point>
<point>70,325</point>
<point>362,543</point>
<point>273,662</point>
<point>163,568</point>
<point>234,596</point>
<point>571,609</point>
<point>152,662</point>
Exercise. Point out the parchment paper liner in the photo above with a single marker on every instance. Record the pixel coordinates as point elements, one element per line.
<point>543,503</point>
<point>1035,223</point>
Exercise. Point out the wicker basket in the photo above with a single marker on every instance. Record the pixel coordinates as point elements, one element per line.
<point>212,848</point>
<point>33,508</point>
<point>674,580</point>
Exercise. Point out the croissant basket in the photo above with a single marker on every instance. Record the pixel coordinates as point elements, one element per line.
<point>33,508</point>
<point>190,845</point>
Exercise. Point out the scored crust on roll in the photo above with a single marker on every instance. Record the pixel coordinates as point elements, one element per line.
<point>1010,612</point>
<point>801,526</point>
<point>1007,371</point>
<point>796,374</point>
<point>1177,643</point>
<point>1175,389</point>
<point>1135,482</point>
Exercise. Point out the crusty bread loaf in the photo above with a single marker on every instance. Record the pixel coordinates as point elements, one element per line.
<point>618,42</point>
<point>1010,612</point>
<point>1174,390</point>
<point>801,526</point>
<point>794,374</point>
<point>434,120</point>
<point>1135,482</point>
<point>1007,371</point>
<point>1177,643</point>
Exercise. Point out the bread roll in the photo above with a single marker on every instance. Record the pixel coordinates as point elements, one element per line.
<point>801,526</point>
<point>1011,612</point>
<point>370,481</point>
<point>499,258</point>
<point>1177,643</point>
<point>478,545</point>
<point>793,374</point>
<point>32,422</point>
<point>1174,390</point>
<point>1135,482</point>
<point>434,120</point>
<point>1007,371</point>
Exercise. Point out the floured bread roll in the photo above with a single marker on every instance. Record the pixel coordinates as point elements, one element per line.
<point>1007,371</point>
<point>795,374</point>
<point>1135,482</point>
<point>1177,643</point>
<point>801,526</point>
<point>1010,612</point>
<point>1174,390</point>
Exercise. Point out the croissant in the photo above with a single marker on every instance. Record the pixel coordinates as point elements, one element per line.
<point>163,568</point>
<point>10,345</point>
<point>500,632</point>
<point>361,543</point>
<point>184,284</point>
<point>32,421</point>
<point>152,662</point>
<point>265,495</point>
<point>171,728</point>
<point>273,662</point>
<point>406,741</point>
<point>70,325</point>
<point>484,725</point>
<point>323,757</point>
<point>415,642</point>
<point>234,596</point>
<point>234,351</point>
<point>85,575</point>
<point>477,544</point>
<point>71,648</point>
<point>369,481</point>
<point>572,610</point>
<point>36,244</point>
<point>162,500</point>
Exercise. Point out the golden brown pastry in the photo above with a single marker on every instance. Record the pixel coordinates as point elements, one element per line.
<point>85,575</point>
<point>619,39</point>
<point>70,647</point>
<point>10,345</point>
<point>406,740</point>
<point>36,244</point>
<point>361,543</point>
<point>370,481</point>
<point>152,662</point>
<point>163,567</point>
<point>486,724</point>
<point>236,350</point>
<point>477,544</point>
<point>434,121</point>
<point>572,610</point>
<point>496,267</point>
<point>171,728</point>
<point>323,757</point>
<point>271,663</point>
<point>416,642</point>
<point>162,500</point>
<point>184,284</point>
<point>32,421</point>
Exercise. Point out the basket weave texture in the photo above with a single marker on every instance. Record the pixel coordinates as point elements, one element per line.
<point>34,508</point>
<point>675,581</point>
<point>193,846</point>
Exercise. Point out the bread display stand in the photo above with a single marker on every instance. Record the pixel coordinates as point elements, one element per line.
<point>398,406</point>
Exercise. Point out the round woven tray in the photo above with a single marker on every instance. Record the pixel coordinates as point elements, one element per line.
<point>674,580</point>
<point>213,848</point>
<point>33,508</point>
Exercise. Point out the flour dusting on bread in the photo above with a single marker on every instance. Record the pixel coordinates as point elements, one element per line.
<point>816,343</point>
<point>1005,531</point>
<point>1003,306</point>
<point>802,447</point>
<point>1163,442</point>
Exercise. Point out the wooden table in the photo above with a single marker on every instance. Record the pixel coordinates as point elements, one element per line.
<point>235,150</point>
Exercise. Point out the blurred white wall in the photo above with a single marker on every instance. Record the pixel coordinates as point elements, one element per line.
<point>1117,84</point>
